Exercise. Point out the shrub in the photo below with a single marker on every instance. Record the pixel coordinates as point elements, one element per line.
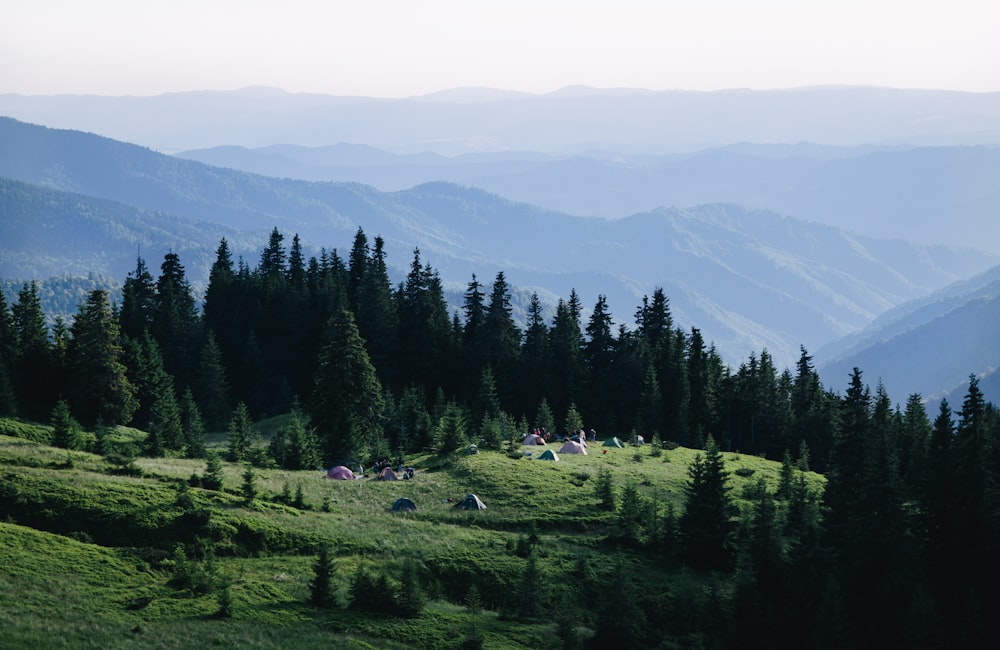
<point>745,472</point>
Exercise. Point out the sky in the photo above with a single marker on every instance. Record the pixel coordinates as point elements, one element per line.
<point>402,48</point>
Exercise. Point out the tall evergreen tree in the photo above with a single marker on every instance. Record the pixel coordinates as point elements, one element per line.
<point>147,374</point>
<point>707,521</point>
<point>376,314</point>
<point>347,398</point>
<point>8,348</point>
<point>32,368</point>
<point>101,389</point>
<point>65,429</point>
<point>138,301</point>
<point>212,386</point>
<point>193,426</point>
<point>357,268</point>
<point>240,434</point>
<point>502,339</point>
<point>165,423</point>
<point>598,355</point>
<point>565,372</point>
<point>451,432</point>
<point>175,320</point>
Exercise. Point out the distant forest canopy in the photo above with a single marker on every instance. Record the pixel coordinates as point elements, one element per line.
<point>376,367</point>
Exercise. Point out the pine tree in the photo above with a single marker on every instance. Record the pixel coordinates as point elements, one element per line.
<point>376,314</point>
<point>598,352</point>
<point>486,405</point>
<point>213,478</point>
<point>544,419</point>
<point>175,321</point>
<point>502,340</point>
<point>65,429</point>
<point>451,432</point>
<point>165,423</point>
<point>212,386</point>
<point>249,485</point>
<point>412,599</point>
<point>32,366</point>
<point>8,348</point>
<point>138,301</point>
<point>101,389</point>
<point>347,404</point>
<point>321,586</point>
<point>191,424</point>
<point>708,510</point>
<point>240,433</point>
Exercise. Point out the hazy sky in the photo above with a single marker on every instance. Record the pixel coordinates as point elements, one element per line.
<point>397,48</point>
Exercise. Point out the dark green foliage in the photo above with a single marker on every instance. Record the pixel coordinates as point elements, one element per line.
<point>249,486</point>
<point>451,432</point>
<point>605,490</point>
<point>192,426</point>
<point>412,599</point>
<point>240,434</point>
<point>212,386</point>
<point>65,429</point>
<point>321,592</point>
<point>212,480</point>
<point>100,390</point>
<point>346,407</point>
<point>708,510</point>
<point>372,591</point>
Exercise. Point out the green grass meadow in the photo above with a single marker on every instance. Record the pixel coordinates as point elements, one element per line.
<point>86,550</point>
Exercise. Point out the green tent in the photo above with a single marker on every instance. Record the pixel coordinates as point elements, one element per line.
<point>548,454</point>
<point>613,442</point>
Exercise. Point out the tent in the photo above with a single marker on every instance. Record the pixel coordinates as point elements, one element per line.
<point>548,454</point>
<point>387,475</point>
<point>472,450</point>
<point>404,505</point>
<point>613,442</point>
<point>340,473</point>
<point>471,502</point>
<point>573,447</point>
<point>534,439</point>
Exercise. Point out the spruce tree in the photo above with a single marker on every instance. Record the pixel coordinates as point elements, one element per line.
<point>165,423</point>
<point>708,511</point>
<point>451,432</point>
<point>65,429</point>
<point>32,366</point>
<point>138,301</point>
<point>346,408</point>
<point>101,389</point>
<point>240,433</point>
<point>194,429</point>
<point>8,347</point>
<point>321,586</point>
<point>212,386</point>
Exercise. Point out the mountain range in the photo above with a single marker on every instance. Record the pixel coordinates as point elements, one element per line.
<point>876,191</point>
<point>749,278</point>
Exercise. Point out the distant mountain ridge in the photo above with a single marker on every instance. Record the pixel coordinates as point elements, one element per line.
<point>929,346</point>
<point>620,120</point>
<point>879,192</point>
<point>749,279</point>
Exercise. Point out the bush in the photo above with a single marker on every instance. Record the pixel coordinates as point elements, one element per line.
<point>745,472</point>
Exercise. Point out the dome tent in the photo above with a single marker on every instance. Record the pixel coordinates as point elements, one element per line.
<point>471,502</point>
<point>404,505</point>
<point>548,454</point>
<point>534,439</point>
<point>572,447</point>
<point>340,473</point>
<point>613,442</point>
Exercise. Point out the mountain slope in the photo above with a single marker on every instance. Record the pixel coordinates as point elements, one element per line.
<point>929,346</point>
<point>876,192</point>
<point>748,278</point>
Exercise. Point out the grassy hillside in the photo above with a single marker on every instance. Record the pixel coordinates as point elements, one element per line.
<point>90,549</point>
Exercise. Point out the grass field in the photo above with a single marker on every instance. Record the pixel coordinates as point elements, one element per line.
<point>86,550</point>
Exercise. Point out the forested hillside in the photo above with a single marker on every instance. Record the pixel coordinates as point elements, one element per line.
<point>896,551</point>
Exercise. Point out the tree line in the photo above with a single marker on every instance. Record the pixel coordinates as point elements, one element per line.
<point>897,550</point>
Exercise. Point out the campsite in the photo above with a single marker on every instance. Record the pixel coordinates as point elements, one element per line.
<point>111,533</point>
